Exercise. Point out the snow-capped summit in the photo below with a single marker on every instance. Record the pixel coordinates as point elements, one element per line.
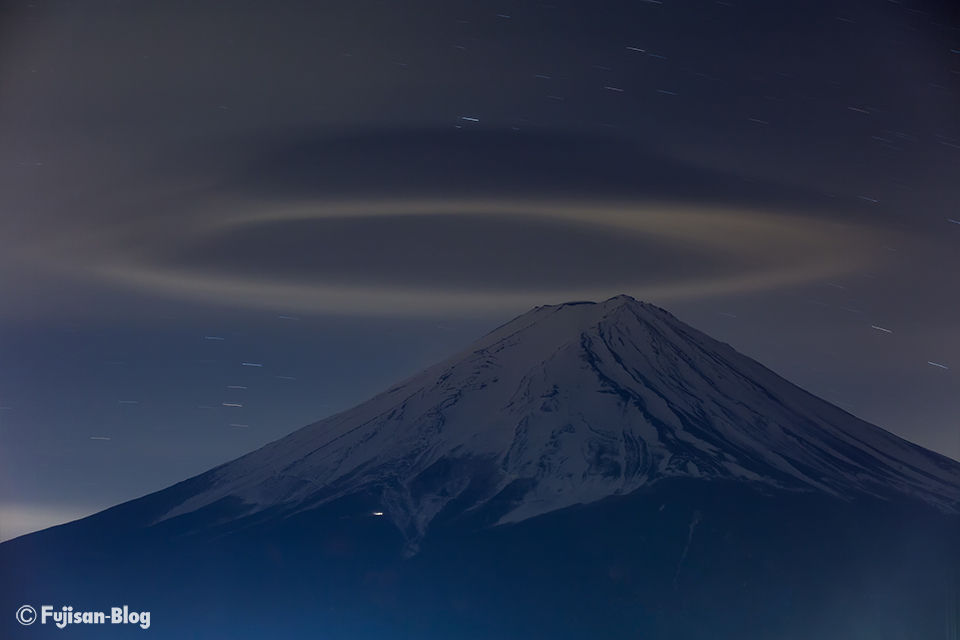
<point>570,404</point>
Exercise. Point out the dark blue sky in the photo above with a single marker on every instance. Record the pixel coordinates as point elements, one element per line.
<point>402,177</point>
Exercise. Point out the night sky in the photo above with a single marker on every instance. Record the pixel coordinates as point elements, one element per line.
<point>221,221</point>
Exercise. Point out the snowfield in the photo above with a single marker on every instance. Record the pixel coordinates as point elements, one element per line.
<point>570,404</point>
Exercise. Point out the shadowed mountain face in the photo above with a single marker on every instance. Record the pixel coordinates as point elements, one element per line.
<point>586,470</point>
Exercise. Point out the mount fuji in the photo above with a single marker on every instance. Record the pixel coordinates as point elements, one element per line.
<point>586,470</point>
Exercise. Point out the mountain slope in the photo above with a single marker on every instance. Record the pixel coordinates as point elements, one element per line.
<point>570,404</point>
<point>646,481</point>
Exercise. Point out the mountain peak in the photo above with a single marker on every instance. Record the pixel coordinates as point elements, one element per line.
<point>569,404</point>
